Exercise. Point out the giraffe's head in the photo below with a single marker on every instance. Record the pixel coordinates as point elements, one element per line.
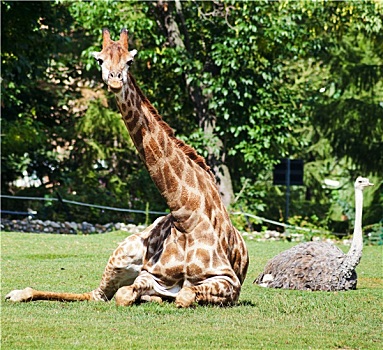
<point>115,60</point>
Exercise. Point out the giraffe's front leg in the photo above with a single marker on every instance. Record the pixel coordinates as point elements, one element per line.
<point>128,295</point>
<point>186,297</point>
<point>122,269</point>
<point>124,266</point>
<point>219,290</point>
<point>146,287</point>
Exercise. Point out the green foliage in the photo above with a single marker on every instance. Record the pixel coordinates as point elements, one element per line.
<point>32,109</point>
<point>245,83</point>
<point>313,226</point>
<point>373,234</point>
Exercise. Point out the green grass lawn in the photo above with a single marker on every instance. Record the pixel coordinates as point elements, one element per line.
<point>264,318</point>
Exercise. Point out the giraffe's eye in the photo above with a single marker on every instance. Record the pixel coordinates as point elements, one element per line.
<point>100,61</point>
<point>129,63</point>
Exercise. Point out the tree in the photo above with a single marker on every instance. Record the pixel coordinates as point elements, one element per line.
<point>33,111</point>
<point>349,108</point>
<point>245,83</point>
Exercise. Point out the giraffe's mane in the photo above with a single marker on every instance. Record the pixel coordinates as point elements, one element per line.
<point>186,149</point>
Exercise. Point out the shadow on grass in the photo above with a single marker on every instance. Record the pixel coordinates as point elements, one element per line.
<point>246,303</point>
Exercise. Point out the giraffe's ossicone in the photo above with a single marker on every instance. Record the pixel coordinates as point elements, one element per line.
<point>194,254</point>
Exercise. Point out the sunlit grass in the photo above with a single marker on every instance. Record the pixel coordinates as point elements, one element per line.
<point>264,318</point>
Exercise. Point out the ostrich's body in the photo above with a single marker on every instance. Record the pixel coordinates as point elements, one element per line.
<point>308,266</point>
<point>318,265</point>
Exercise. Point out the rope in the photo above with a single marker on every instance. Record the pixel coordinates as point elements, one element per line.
<point>278,223</point>
<point>86,204</point>
<point>158,212</point>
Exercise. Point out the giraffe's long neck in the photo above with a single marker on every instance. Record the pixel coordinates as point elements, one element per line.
<point>182,177</point>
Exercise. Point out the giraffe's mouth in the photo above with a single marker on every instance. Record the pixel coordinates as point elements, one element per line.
<point>115,85</point>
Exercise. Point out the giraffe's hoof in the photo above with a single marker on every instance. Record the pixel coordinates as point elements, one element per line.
<point>185,298</point>
<point>151,299</point>
<point>125,296</point>
<point>20,295</point>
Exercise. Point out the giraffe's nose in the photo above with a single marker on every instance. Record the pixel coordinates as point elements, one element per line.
<point>116,75</point>
<point>115,81</point>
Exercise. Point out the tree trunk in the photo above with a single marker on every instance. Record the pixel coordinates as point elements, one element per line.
<point>207,121</point>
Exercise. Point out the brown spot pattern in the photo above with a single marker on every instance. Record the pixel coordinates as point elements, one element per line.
<point>188,186</point>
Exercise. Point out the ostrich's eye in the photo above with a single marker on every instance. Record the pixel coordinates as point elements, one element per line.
<point>100,61</point>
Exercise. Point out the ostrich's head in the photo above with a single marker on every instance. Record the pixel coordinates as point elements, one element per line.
<point>362,182</point>
<point>115,60</point>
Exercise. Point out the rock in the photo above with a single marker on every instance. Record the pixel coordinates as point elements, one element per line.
<point>140,228</point>
<point>55,224</point>
<point>67,227</point>
<point>71,226</point>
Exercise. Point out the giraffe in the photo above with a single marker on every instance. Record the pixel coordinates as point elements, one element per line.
<point>194,255</point>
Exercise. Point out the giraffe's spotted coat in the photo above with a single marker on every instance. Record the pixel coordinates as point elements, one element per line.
<point>194,254</point>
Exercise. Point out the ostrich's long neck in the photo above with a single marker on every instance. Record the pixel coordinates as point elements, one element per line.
<point>355,253</point>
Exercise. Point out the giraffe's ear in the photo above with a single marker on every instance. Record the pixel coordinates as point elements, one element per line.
<point>131,59</point>
<point>133,53</point>
<point>105,38</point>
<point>96,55</point>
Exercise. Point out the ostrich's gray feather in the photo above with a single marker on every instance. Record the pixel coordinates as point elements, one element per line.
<point>309,266</point>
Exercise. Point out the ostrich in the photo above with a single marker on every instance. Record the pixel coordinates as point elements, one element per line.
<point>319,265</point>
